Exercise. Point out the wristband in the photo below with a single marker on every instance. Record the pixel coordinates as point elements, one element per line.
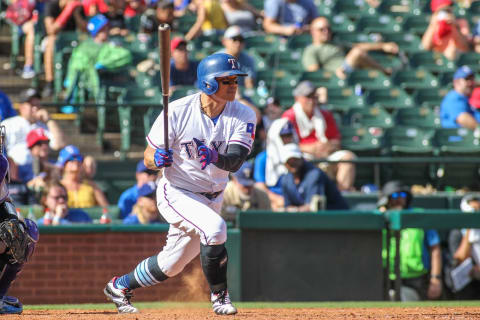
<point>436,276</point>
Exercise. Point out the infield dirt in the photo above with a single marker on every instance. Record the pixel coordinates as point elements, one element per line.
<point>260,314</point>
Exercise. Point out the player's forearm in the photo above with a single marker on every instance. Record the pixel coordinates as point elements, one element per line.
<point>233,159</point>
<point>149,158</point>
<point>436,261</point>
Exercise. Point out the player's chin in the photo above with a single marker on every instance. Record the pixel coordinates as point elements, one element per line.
<point>230,96</point>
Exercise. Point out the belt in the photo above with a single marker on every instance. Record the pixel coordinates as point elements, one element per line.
<point>210,195</point>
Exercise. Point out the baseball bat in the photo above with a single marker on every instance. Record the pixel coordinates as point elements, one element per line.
<point>164,55</point>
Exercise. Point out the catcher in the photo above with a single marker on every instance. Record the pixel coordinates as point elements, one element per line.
<point>18,238</point>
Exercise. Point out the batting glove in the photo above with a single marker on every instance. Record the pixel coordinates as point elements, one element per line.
<point>206,154</point>
<point>163,158</point>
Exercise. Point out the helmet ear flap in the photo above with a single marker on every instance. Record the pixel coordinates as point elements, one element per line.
<point>209,86</point>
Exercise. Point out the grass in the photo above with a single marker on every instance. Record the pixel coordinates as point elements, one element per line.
<point>262,305</point>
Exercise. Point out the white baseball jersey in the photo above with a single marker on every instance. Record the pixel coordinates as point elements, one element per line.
<point>235,125</point>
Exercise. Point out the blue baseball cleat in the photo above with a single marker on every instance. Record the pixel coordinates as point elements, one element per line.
<point>10,305</point>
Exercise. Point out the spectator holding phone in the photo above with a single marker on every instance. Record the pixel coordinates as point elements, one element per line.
<point>445,33</point>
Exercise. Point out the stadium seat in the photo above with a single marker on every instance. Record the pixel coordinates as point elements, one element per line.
<point>430,97</point>
<point>260,62</point>
<point>416,24</point>
<point>265,45</point>
<point>353,9</point>
<point>387,60</point>
<point>414,79</point>
<point>368,79</point>
<point>408,141</point>
<point>408,42</point>
<point>346,96</point>
<point>186,22</point>
<point>393,98</point>
<point>378,24</point>
<point>290,60</point>
<point>182,91</point>
<point>323,79</point>
<point>396,8</point>
<point>363,141</point>
<point>299,41</point>
<point>446,79</point>
<point>458,143</point>
<point>370,117</point>
<point>347,39</point>
<point>341,23</point>
<point>420,117</point>
<point>432,61</point>
<point>257,4</point>
<point>211,43</point>
<point>471,59</point>
<point>273,78</point>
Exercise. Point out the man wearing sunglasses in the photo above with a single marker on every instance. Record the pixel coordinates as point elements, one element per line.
<point>210,135</point>
<point>420,253</point>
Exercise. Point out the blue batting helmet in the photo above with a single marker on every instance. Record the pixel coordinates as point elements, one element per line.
<point>215,66</point>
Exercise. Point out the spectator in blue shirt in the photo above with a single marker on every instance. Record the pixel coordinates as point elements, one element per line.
<point>6,109</point>
<point>54,201</point>
<point>145,211</point>
<point>129,197</point>
<point>306,187</point>
<point>455,110</point>
<point>183,72</point>
<point>289,17</point>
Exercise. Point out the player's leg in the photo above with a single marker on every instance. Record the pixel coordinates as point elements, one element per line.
<point>203,215</point>
<point>8,273</point>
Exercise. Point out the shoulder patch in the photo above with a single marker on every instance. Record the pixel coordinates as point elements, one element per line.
<point>251,129</point>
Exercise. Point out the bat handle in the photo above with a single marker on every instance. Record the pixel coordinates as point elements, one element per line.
<point>165,120</point>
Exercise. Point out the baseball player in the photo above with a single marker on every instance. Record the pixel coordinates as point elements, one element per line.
<point>18,238</point>
<point>210,135</point>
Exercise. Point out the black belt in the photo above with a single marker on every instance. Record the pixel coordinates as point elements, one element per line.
<point>210,195</point>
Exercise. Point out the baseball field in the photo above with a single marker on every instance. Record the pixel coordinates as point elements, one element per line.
<point>266,310</point>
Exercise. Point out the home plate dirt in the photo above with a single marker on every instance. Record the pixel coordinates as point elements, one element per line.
<point>260,314</point>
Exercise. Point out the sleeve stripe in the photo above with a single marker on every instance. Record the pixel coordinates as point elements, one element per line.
<point>153,144</point>
<point>241,142</point>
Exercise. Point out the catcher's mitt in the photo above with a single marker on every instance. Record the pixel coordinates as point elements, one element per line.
<point>13,234</point>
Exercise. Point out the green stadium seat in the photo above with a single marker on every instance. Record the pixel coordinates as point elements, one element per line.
<point>432,61</point>
<point>323,79</point>
<point>471,59</point>
<point>299,41</point>
<point>414,79</point>
<point>207,42</point>
<point>387,60</point>
<point>363,141</point>
<point>186,22</point>
<point>378,24</point>
<point>273,78</point>
<point>257,4</point>
<point>408,141</point>
<point>368,79</point>
<point>416,24</point>
<point>353,9</point>
<point>396,8</point>
<point>265,45</point>
<point>290,61</point>
<point>349,38</point>
<point>370,117</point>
<point>341,23</point>
<point>393,98</point>
<point>408,42</point>
<point>420,117</point>
<point>446,78</point>
<point>458,143</point>
<point>431,98</point>
<point>182,91</point>
<point>346,96</point>
<point>260,62</point>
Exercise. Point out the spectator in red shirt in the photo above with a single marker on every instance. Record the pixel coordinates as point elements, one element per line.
<point>319,136</point>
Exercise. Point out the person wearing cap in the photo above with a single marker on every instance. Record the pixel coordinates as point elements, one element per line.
<point>182,69</point>
<point>210,19</point>
<point>306,187</point>
<point>55,205</point>
<point>319,136</point>
<point>241,195</point>
<point>129,197</point>
<point>82,193</point>
<point>464,244</point>
<point>288,18</point>
<point>145,211</point>
<point>234,44</point>
<point>31,116</point>
<point>43,169</point>
<point>446,33</point>
<point>324,54</point>
<point>164,12</point>
<point>420,252</point>
<point>455,109</point>
<point>60,15</point>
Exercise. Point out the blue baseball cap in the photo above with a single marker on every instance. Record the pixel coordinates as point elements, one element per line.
<point>141,167</point>
<point>69,153</point>
<point>147,189</point>
<point>463,72</point>
<point>287,129</point>
<point>244,175</point>
<point>96,23</point>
